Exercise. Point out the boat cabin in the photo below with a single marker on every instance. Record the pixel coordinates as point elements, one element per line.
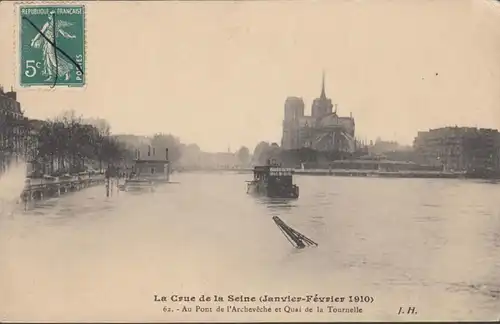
<point>273,175</point>
<point>150,168</point>
<point>280,172</point>
<point>153,166</point>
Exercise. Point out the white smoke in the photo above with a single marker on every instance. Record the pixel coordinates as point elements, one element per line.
<point>12,182</point>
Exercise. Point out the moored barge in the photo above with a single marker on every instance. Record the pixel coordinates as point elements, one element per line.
<point>273,181</point>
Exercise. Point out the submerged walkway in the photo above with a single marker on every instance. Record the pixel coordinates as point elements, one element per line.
<point>37,189</point>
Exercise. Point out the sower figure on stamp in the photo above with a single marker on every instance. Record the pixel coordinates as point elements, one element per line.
<point>51,65</point>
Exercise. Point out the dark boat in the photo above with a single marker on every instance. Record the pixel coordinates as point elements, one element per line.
<point>273,181</point>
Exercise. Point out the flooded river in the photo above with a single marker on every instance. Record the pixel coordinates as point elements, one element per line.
<point>429,244</point>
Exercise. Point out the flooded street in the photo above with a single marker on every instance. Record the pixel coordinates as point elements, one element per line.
<point>428,244</point>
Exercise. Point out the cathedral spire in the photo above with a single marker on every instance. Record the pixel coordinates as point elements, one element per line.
<point>323,94</point>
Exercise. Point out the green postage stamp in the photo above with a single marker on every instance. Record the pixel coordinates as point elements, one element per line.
<point>52,45</point>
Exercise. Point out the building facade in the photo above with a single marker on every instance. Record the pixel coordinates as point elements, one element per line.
<point>13,128</point>
<point>323,130</point>
<point>459,148</point>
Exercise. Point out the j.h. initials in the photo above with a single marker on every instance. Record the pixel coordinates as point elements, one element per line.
<point>410,310</point>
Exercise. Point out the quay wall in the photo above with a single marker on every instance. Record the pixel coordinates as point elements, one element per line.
<point>377,173</point>
<point>356,173</point>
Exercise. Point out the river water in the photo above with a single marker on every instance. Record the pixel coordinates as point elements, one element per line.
<point>428,244</point>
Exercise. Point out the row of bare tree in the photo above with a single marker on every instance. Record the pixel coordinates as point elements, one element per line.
<point>69,142</point>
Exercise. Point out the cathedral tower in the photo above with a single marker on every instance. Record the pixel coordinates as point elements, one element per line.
<point>294,111</point>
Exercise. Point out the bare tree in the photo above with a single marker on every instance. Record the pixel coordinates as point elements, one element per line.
<point>243,155</point>
<point>71,142</point>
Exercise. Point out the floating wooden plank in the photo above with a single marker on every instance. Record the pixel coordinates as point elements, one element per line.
<point>298,240</point>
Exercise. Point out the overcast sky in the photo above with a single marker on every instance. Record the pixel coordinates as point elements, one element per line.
<point>218,73</point>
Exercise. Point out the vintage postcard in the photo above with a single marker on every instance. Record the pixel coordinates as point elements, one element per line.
<point>250,161</point>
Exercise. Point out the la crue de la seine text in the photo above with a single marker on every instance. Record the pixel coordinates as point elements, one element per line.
<point>312,298</point>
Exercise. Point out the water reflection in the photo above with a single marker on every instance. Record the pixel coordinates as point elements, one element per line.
<point>278,205</point>
<point>138,192</point>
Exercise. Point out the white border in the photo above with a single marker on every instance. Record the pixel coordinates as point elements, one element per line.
<point>17,47</point>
